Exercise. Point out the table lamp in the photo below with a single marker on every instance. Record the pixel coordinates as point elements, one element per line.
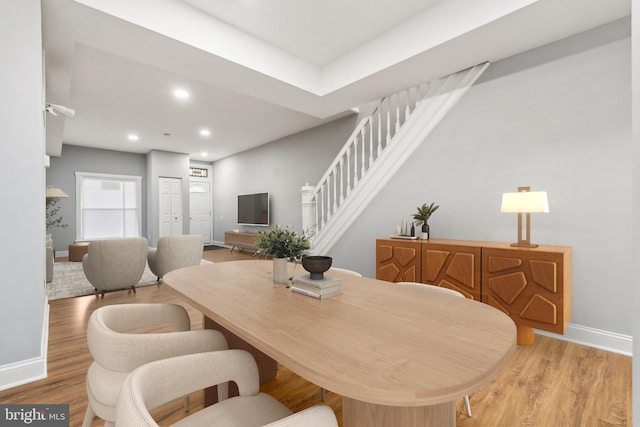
<point>525,202</point>
<point>55,193</point>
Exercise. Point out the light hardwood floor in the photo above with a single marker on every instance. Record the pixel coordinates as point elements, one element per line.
<point>552,383</point>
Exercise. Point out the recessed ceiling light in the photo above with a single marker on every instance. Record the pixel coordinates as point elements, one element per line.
<point>133,137</point>
<point>205,132</point>
<point>204,154</point>
<point>181,94</point>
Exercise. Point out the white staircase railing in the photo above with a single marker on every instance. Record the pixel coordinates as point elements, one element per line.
<point>381,142</point>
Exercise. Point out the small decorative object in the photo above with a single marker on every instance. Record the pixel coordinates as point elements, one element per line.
<point>280,266</point>
<point>316,265</point>
<point>422,216</point>
<point>282,243</point>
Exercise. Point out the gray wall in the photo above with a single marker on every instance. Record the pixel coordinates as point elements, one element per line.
<point>556,118</point>
<point>23,305</point>
<point>280,168</point>
<point>61,174</point>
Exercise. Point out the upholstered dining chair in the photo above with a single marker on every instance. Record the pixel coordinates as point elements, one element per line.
<point>154,384</point>
<point>344,270</point>
<point>352,273</point>
<point>118,344</point>
<point>439,289</point>
<point>174,252</point>
<point>115,264</point>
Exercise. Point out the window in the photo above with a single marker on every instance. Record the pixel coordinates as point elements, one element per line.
<point>108,206</point>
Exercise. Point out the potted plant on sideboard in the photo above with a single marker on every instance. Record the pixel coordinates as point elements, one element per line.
<point>422,216</point>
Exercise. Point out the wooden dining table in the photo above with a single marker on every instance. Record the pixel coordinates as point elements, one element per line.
<point>397,355</point>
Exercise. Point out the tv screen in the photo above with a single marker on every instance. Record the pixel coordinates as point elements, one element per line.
<point>253,209</point>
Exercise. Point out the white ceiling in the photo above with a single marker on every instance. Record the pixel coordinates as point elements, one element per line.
<point>259,70</point>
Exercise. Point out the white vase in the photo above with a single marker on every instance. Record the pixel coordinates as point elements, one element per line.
<point>280,268</point>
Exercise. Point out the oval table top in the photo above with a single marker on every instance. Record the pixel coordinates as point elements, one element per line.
<point>377,341</point>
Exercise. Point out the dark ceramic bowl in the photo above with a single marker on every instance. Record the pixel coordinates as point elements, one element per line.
<point>316,265</point>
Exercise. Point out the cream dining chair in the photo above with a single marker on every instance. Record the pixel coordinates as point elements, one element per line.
<point>439,289</point>
<point>344,270</point>
<point>156,383</point>
<point>352,273</point>
<point>116,352</point>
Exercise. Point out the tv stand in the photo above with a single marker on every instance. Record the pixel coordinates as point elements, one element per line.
<point>240,240</point>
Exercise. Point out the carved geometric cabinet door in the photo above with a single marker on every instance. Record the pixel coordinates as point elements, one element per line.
<point>452,266</point>
<point>398,261</point>
<point>533,286</point>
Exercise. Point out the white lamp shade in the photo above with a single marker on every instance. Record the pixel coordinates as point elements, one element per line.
<point>525,202</point>
<point>53,192</point>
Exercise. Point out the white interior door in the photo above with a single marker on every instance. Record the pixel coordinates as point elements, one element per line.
<point>170,207</point>
<point>200,210</point>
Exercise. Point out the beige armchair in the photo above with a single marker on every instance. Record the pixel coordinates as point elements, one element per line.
<point>116,353</point>
<point>112,265</point>
<point>157,383</point>
<point>174,252</point>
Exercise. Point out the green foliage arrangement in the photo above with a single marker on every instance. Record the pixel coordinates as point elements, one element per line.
<point>281,242</point>
<point>52,208</point>
<point>424,213</point>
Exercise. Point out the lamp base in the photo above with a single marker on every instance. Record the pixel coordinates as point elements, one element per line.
<point>524,245</point>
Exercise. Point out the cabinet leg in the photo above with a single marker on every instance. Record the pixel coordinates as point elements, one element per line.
<point>526,336</point>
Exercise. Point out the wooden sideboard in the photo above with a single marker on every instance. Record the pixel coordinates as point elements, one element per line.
<point>531,285</point>
<point>240,239</point>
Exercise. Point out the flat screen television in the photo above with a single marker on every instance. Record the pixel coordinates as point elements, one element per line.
<point>253,209</point>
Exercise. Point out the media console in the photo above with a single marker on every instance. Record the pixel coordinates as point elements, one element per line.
<point>240,239</point>
<point>531,285</point>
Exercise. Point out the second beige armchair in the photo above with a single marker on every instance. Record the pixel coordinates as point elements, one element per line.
<point>112,265</point>
<point>174,252</point>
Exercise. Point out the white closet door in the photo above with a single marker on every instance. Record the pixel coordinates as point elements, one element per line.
<point>170,206</point>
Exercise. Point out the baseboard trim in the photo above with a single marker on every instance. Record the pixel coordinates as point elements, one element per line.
<point>30,370</point>
<point>62,254</point>
<point>597,338</point>
<point>219,243</point>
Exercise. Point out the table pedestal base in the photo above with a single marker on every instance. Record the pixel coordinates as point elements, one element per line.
<point>267,367</point>
<point>362,414</point>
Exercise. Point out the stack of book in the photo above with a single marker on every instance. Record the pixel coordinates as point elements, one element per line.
<point>321,289</point>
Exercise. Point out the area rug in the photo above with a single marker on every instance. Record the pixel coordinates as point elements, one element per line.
<point>69,280</point>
